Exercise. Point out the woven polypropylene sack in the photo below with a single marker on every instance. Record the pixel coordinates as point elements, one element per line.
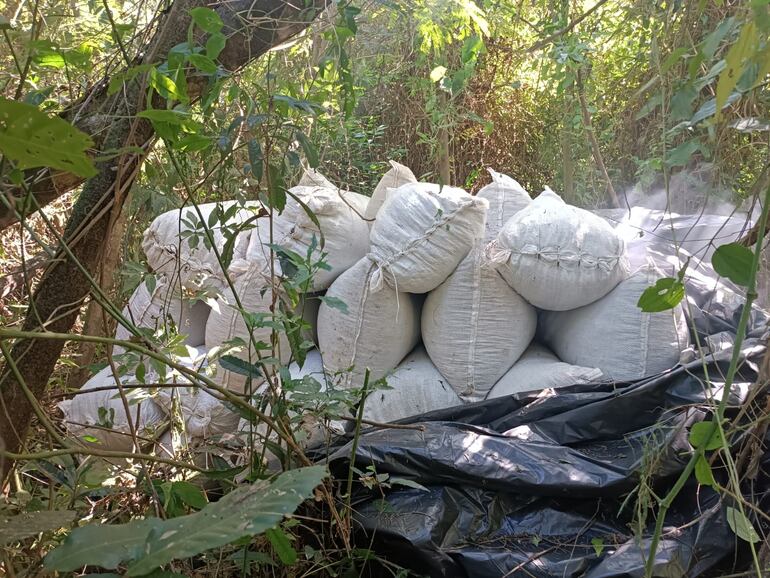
<point>557,256</point>
<point>102,414</point>
<point>614,334</point>
<point>164,305</point>
<point>506,197</point>
<point>226,323</point>
<point>372,329</point>
<point>416,387</point>
<point>475,327</point>
<point>540,369</point>
<point>421,234</point>
<point>174,242</point>
<point>397,176</point>
<point>340,226</point>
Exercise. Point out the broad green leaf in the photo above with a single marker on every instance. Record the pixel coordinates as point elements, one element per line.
<point>438,73</point>
<point>165,86</point>
<point>246,511</point>
<point>598,545</point>
<point>203,63</point>
<point>101,545</point>
<point>408,483</point>
<point>256,159</point>
<point>699,433</point>
<point>334,303</point>
<point>13,528</point>
<point>282,546</point>
<point>741,525</point>
<point>239,366</point>
<point>311,154</point>
<point>733,261</point>
<point>739,52</point>
<point>215,44</point>
<point>680,156</point>
<point>189,494</point>
<point>207,20</point>
<point>666,294</point>
<point>673,58</point>
<point>703,472</point>
<point>31,139</point>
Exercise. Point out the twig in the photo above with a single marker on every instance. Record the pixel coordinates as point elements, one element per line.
<point>383,425</point>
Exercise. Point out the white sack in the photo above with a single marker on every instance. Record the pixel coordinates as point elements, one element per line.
<point>312,178</point>
<point>475,327</point>
<point>169,251</point>
<point>226,323</point>
<point>398,175</point>
<point>82,413</point>
<point>377,329</point>
<point>506,198</point>
<point>614,335</point>
<point>153,312</point>
<point>340,216</point>
<point>421,234</point>
<point>204,415</point>
<point>540,369</point>
<point>557,256</point>
<point>417,387</point>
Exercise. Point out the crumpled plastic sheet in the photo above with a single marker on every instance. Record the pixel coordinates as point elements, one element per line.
<point>546,483</point>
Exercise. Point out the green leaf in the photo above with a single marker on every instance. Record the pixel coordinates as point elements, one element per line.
<point>739,52</point>
<point>408,483</point>
<point>282,546</point>
<point>311,154</point>
<point>334,303</point>
<point>33,139</point>
<point>203,63</point>
<point>666,294</point>
<point>215,44</point>
<point>245,511</point>
<point>673,58</point>
<point>703,472</point>
<point>598,545</point>
<point>438,73</point>
<point>165,86</point>
<point>15,528</point>
<point>741,525</point>
<point>207,20</point>
<point>189,494</point>
<point>101,545</point>
<point>735,262</point>
<point>699,436</point>
<point>256,159</point>
<point>680,155</point>
<point>239,366</point>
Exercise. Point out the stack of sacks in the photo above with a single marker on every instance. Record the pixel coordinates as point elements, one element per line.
<point>101,415</point>
<point>421,233</point>
<point>176,244</point>
<point>614,334</point>
<point>415,387</point>
<point>226,324</point>
<point>474,326</point>
<point>559,257</point>
<point>539,368</point>
<point>396,177</point>
<point>166,303</point>
<point>340,226</point>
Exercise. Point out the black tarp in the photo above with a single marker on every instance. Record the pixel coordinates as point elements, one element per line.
<point>548,483</point>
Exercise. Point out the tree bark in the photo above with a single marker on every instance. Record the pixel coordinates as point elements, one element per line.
<point>252,28</point>
<point>589,128</point>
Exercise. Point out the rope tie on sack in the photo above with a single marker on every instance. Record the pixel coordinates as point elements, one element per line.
<point>498,255</point>
<point>385,264</point>
<point>474,324</point>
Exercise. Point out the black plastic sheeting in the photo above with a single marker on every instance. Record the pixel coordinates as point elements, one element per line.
<point>548,483</point>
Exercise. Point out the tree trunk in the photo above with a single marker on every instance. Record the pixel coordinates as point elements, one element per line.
<point>588,126</point>
<point>252,28</point>
<point>444,161</point>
